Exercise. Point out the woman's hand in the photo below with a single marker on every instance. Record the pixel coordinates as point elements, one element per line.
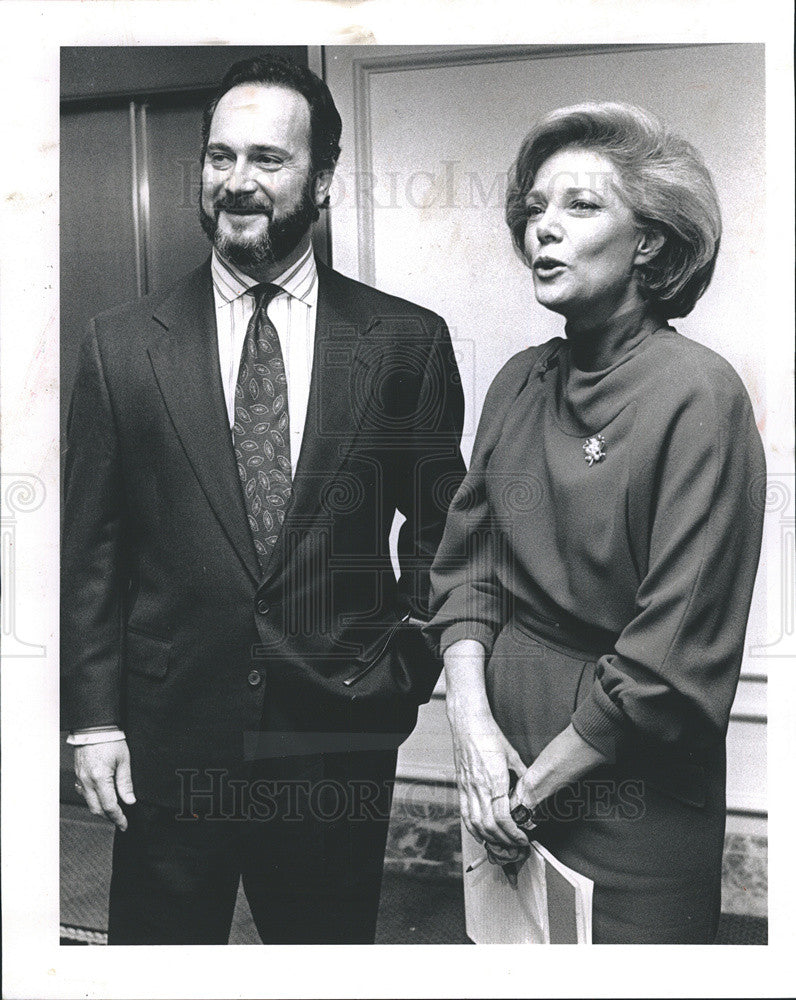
<point>482,754</point>
<point>510,859</point>
<point>565,759</point>
<point>483,757</point>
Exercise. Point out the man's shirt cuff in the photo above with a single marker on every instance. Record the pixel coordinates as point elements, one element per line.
<point>86,737</point>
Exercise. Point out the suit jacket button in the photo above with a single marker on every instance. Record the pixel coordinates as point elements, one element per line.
<point>255,678</point>
<point>262,607</point>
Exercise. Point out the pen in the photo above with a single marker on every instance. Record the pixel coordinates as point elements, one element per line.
<point>479,861</point>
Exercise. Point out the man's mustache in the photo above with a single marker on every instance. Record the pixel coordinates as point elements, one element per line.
<point>242,204</point>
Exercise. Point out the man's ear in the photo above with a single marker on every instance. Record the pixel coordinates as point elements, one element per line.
<point>322,183</point>
<point>649,244</point>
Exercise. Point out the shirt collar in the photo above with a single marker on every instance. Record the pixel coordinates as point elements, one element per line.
<point>298,280</point>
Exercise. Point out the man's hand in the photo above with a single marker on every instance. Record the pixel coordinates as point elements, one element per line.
<point>102,770</point>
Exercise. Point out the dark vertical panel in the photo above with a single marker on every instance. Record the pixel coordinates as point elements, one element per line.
<point>176,242</point>
<point>322,232</point>
<point>113,70</point>
<point>97,246</point>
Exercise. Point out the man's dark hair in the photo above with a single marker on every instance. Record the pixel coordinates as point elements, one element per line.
<point>325,124</point>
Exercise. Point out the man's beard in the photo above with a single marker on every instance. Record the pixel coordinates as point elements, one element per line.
<point>261,253</point>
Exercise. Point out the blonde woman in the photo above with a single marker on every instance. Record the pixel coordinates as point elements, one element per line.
<point>593,584</point>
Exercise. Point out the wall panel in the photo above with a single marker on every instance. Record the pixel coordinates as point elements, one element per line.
<point>98,255</point>
<point>176,241</point>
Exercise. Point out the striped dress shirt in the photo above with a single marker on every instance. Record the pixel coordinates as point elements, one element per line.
<point>293,313</point>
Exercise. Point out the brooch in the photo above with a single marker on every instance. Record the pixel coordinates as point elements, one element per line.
<point>594,449</point>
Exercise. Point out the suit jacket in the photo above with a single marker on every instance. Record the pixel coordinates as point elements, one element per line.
<point>168,627</point>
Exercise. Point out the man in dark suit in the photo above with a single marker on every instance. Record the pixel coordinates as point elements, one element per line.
<point>239,660</point>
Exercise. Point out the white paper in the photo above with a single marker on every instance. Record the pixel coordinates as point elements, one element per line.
<point>496,912</point>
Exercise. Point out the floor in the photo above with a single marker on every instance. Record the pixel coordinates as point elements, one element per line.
<point>413,910</point>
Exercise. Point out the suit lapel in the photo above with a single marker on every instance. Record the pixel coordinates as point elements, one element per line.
<point>186,365</point>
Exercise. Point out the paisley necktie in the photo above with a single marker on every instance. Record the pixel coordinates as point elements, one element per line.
<point>261,432</point>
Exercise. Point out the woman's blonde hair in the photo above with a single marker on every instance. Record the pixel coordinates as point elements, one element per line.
<point>663,179</point>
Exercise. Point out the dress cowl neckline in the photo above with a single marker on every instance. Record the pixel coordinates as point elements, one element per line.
<point>588,400</point>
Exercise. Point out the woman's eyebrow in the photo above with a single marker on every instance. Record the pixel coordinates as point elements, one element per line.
<point>567,192</point>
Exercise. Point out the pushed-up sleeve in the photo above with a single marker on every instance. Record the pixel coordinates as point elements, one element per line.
<point>674,671</point>
<point>467,599</point>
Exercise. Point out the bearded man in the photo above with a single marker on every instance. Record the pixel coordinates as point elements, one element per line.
<point>239,660</point>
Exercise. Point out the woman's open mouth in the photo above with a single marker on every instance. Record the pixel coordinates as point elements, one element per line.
<point>548,267</point>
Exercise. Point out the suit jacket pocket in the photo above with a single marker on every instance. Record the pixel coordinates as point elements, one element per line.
<point>366,661</point>
<point>399,663</point>
<point>147,654</point>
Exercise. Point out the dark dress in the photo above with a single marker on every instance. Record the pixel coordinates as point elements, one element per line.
<point>614,594</point>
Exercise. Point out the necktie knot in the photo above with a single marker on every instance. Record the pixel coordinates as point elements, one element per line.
<point>264,293</point>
